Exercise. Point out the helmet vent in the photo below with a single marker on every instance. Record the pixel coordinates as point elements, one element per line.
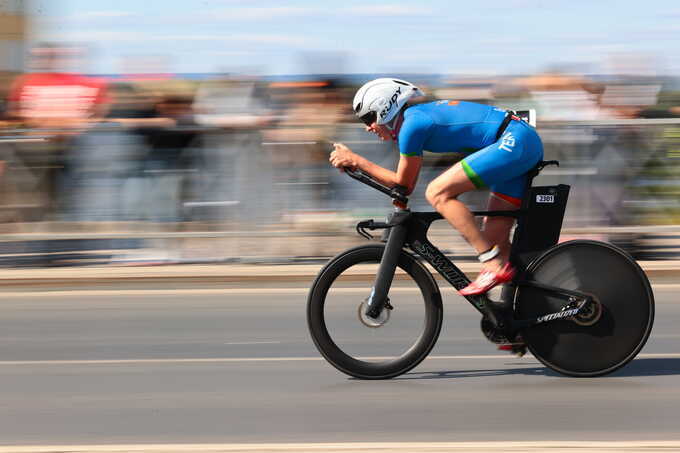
<point>358,107</point>
<point>400,82</point>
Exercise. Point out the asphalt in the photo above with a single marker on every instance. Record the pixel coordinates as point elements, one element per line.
<point>657,271</point>
<point>146,366</point>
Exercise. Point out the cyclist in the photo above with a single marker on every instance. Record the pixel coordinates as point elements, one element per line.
<point>500,150</point>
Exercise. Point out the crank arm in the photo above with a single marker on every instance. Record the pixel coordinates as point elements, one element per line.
<point>560,293</point>
<point>568,311</point>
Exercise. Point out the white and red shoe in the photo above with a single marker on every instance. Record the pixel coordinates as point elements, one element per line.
<point>487,280</point>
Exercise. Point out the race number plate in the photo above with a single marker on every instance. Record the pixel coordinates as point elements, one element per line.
<point>545,198</point>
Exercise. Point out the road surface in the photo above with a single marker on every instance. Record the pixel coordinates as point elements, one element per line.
<point>200,364</point>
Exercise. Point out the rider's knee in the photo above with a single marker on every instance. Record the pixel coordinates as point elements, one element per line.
<point>431,194</point>
<point>436,197</point>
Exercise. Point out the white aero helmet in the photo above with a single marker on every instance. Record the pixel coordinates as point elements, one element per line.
<point>380,100</point>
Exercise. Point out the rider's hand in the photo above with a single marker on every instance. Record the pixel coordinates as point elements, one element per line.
<point>343,157</point>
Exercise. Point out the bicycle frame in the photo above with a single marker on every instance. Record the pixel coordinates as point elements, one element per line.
<point>409,229</point>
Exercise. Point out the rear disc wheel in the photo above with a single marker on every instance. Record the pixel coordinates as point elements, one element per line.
<point>611,332</point>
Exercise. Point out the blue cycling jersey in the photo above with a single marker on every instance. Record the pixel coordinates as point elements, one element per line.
<point>448,126</point>
<point>452,126</point>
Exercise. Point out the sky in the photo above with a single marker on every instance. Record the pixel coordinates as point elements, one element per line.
<point>484,37</point>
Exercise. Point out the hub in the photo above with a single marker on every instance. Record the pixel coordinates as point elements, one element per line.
<point>374,323</point>
<point>590,313</point>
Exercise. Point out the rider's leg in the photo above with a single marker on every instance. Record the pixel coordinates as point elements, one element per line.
<point>497,229</point>
<point>502,166</point>
<point>442,194</point>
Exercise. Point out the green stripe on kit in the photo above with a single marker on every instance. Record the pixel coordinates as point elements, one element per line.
<point>474,177</point>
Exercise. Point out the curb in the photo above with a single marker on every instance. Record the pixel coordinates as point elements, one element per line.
<point>229,273</point>
<point>378,447</point>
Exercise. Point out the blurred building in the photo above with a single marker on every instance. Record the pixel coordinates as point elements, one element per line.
<point>13,30</point>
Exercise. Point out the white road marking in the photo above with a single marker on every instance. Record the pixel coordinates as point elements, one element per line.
<point>178,292</point>
<point>344,447</point>
<point>218,360</point>
<point>222,291</point>
<point>233,343</point>
<point>279,359</point>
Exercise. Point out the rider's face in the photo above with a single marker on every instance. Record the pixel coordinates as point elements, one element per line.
<point>380,130</point>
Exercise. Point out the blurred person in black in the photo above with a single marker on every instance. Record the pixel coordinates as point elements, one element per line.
<point>149,165</point>
<point>169,156</point>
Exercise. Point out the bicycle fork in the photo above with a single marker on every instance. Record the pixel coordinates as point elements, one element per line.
<point>378,299</point>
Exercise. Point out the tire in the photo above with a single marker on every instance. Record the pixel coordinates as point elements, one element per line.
<point>623,325</point>
<point>339,342</point>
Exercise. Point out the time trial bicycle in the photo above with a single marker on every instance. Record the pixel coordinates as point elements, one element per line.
<point>583,308</point>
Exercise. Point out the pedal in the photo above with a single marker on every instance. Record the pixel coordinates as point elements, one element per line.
<point>491,333</point>
<point>518,349</point>
<point>515,346</point>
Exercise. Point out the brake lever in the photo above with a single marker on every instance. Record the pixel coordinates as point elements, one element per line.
<point>360,229</point>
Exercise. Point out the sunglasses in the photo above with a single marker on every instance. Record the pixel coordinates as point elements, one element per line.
<point>369,118</point>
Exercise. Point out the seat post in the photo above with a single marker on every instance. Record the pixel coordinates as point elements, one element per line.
<point>526,203</point>
<point>537,169</point>
<point>508,291</point>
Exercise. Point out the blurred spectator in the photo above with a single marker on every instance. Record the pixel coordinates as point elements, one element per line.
<point>61,105</point>
<point>308,126</point>
<point>561,97</point>
<point>51,97</point>
<point>3,123</point>
<point>479,90</point>
<point>630,99</point>
<point>236,171</point>
<point>231,103</point>
<point>128,103</point>
<point>169,158</point>
<point>667,106</point>
<point>3,112</point>
<point>313,110</point>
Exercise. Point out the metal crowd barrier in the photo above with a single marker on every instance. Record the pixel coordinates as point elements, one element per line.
<point>240,184</point>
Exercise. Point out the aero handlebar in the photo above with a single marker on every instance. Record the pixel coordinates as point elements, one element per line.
<point>397,192</point>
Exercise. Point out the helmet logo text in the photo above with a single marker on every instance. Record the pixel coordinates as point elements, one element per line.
<point>393,100</point>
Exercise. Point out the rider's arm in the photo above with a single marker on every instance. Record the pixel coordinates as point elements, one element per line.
<point>406,174</point>
<point>411,141</point>
<point>412,135</point>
